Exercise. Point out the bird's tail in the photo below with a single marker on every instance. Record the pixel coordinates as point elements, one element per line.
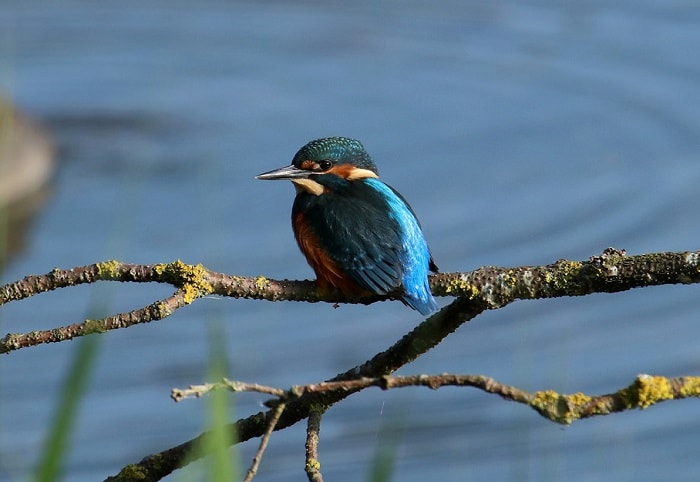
<point>424,305</point>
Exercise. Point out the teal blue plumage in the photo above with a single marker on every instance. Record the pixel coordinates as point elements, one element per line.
<point>358,234</point>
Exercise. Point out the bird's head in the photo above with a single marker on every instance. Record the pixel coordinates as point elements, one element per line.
<point>315,163</point>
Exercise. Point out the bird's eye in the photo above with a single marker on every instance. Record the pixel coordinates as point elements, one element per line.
<point>325,165</point>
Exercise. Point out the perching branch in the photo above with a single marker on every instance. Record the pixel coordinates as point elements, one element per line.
<point>610,272</point>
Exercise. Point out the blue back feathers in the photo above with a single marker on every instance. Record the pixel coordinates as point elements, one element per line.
<point>414,255</point>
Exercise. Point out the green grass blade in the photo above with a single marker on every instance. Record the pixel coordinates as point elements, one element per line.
<point>53,455</point>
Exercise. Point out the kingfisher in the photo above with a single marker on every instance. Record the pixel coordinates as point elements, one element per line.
<point>358,234</point>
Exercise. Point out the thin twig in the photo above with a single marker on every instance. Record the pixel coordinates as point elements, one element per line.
<point>197,391</point>
<point>313,432</point>
<point>276,414</point>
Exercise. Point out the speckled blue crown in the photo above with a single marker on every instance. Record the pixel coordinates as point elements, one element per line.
<point>340,150</point>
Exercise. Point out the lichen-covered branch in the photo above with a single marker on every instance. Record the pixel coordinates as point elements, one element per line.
<point>424,337</point>
<point>155,311</point>
<point>611,271</point>
<point>645,391</point>
<point>476,291</point>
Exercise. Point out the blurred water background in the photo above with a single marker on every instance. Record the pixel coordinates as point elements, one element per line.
<point>521,133</point>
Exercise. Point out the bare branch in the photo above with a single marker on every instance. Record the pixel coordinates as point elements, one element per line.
<point>197,391</point>
<point>276,414</point>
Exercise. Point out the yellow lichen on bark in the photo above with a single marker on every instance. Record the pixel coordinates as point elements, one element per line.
<point>108,270</point>
<point>646,391</point>
<point>462,288</point>
<point>190,278</point>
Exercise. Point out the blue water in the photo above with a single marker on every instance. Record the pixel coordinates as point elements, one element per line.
<point>521,133</point>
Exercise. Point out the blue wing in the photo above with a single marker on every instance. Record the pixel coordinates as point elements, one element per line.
<point>371,233</point>
<point>414,254</point>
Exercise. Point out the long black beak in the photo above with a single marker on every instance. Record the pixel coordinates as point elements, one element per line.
<point>287,172</point>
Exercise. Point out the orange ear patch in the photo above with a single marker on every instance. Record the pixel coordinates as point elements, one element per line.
<point>350,172</point>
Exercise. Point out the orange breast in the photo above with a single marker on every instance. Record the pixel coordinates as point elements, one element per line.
<point>329,275</point>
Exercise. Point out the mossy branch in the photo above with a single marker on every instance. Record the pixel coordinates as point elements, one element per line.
<point>643,392</point>
<point>474,292</point>
<point>496,287</point>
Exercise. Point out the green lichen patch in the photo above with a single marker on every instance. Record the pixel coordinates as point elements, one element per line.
<point>562,274</point>
<point>132,472</point>
<point>109,270</point>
